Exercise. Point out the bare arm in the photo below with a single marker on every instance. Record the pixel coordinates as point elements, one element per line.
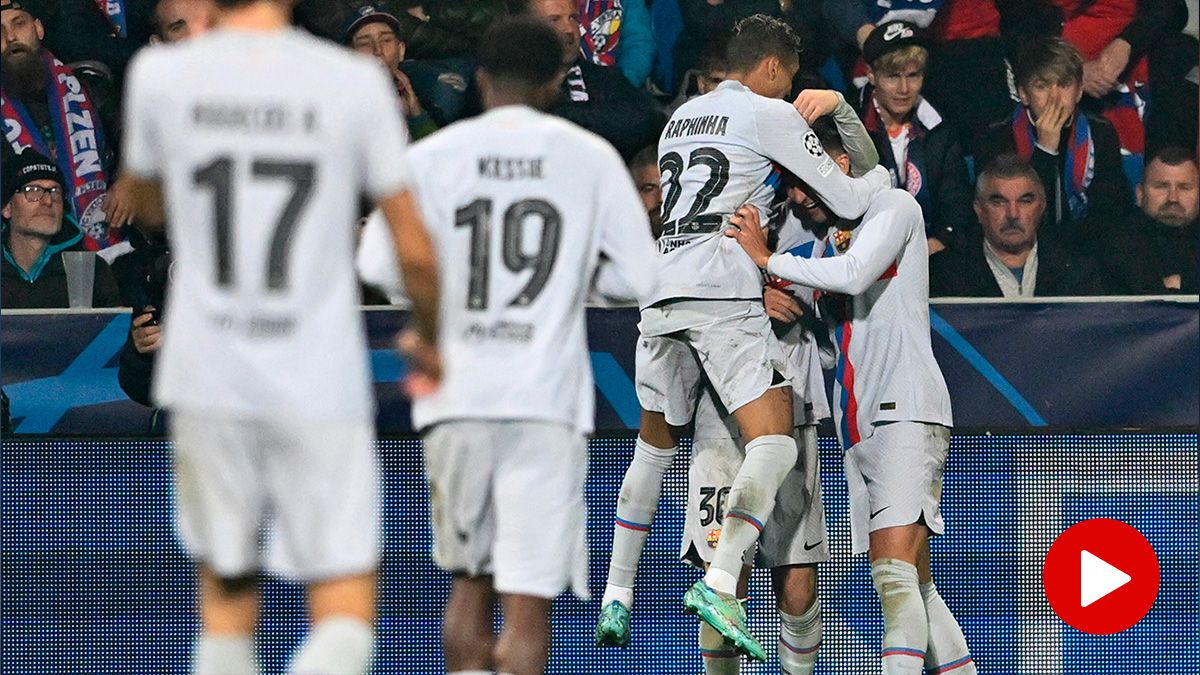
<point>145,199</point>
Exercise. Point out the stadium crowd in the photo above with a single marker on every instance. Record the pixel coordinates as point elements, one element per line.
<point>1079,118</point>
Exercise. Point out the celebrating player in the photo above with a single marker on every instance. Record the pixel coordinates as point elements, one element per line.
<point>253,144</point>
<point>718,153</point>
<point>892,407</point>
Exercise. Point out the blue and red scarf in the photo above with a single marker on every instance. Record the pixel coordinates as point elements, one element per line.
<point>1080,167</point>
<point>600,25</point>
<point>78,147</point>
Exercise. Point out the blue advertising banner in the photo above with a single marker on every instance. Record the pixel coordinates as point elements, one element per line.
<point>1009,366</point>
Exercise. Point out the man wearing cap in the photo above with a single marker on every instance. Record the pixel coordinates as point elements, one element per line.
<point>918,148</point>
<point>46,106</point>
<point>36,230</point>
<point>375,32</point>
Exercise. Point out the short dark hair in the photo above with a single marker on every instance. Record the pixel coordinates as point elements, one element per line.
<point>759,37</point>
<point>1171,155</point>
<point>647,156</point>
<point>521,50</point>
<point>1052,59</point>
<point>1007,167</point>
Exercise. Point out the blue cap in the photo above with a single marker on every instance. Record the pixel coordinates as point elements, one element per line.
<point>365,15</point>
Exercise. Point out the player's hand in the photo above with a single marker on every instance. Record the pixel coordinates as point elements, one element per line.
<point>935,245</point>
<point>781,305</point>
<point>812,103</point>
<point>747,230</point>
<point>1050,123</point>
<point>146,338</point>
<point>424,364</point>
<point>412,106</point>
<point>118,204</point>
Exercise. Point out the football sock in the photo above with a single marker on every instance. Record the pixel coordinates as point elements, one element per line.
<point>224,655</point>
<point>799,640</point>
<point>948,650</point>
<point>340,645</point>
<point>751,500</point>
<point>636,505</point>
<point>905,626</point>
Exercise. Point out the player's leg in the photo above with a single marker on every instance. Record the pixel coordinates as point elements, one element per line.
<point>524,644</point>
<point>218,506</point>
<point>900,471</point>
<point>467,639</point>
<point>539,547</point>
<point>322,479</point>
<point>794,542</point>
<point>719,655</point>
<point>228,613</point>
<point>948,649</point>
<point>667,379</point>
<point>459,464</point>
<point>746,366</point>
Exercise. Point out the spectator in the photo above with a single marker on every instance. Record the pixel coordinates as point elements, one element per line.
<point>920,151</point>
<point>373,31</point>
<point>1075,154</point>
<point>966,77</point>
<point>596,98</point>
<point>1012,261</point>
<point>709,72</point>
<point>179,20</point>
<point>1169,199</point>
<point>44,104</point>
<point>618,33</point>
<point>108,32</point>
<point>36,231</point>
<point>646,178</point>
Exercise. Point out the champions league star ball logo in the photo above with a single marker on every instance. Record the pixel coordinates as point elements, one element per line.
<point>841,240</point>
<point>813,144</point>
<point>714,535</point>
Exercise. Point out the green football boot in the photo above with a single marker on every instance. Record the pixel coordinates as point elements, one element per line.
<point>726,615</point>
<point>612,628</point>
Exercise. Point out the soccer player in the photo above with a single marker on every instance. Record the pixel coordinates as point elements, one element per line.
<point>719,152</point>
<point>257,141</point>
<point>522,206</point>
<point>892,407</point>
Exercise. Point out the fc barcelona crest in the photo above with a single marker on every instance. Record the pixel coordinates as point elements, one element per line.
<point>714,535</point>
<point>841,240</point>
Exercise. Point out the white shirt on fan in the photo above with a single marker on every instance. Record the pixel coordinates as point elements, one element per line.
<point>263,144</point>
<point>521,205</point>
<point>718,152</point>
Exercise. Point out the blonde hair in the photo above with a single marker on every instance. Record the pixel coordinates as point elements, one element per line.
<point>897,60</point>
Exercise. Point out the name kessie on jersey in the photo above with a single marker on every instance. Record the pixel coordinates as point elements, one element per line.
<point>510,168</point>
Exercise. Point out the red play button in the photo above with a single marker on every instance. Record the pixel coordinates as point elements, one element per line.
<point>1101,576</point>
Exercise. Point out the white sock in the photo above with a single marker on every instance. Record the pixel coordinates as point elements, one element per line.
<point>636,505</point>
<point>336,646</point>
<point>905,626</point>
<point>619,594</point>
<point>799,640</point>
<point>224,655</point>
<point>751,500</point>
<point>720,657</point>
<point>948,650</point>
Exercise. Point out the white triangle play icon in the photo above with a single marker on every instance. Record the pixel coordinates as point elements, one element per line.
<point>1097,578</point>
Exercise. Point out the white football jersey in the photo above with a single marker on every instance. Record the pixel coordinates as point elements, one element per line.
<point>810,404</point>
<point>521,205</point>
<point>876,284</point>
<point>264,144</point>
<point>718,152</point>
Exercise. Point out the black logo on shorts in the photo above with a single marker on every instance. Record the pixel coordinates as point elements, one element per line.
<point>807,547</point>
<point>890,405</point>
<point>881,510</point>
